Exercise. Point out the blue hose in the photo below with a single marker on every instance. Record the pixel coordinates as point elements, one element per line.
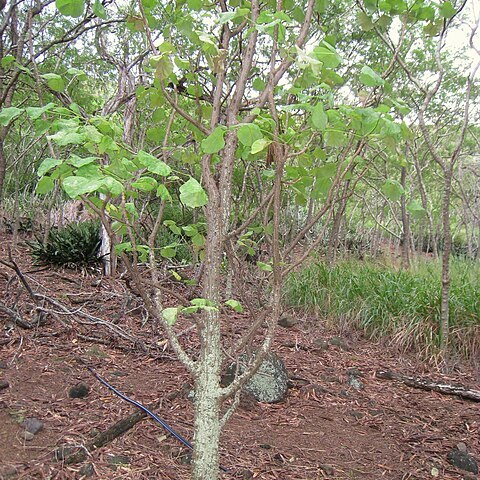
<point>165,425</point>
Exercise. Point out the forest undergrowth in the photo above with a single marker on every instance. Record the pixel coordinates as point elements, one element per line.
<point>384,301</point>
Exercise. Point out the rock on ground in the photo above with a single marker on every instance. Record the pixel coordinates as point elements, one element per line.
<point>270,382</point>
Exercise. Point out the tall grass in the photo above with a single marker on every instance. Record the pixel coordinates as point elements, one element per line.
<point>385,302</point>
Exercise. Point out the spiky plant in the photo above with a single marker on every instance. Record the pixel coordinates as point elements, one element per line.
<point>76,244</point>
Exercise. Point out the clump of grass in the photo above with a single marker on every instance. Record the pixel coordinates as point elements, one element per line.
<point>402,305</point>
<point>76,244</point>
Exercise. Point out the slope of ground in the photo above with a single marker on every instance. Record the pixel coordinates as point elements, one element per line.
<point>327,428</point>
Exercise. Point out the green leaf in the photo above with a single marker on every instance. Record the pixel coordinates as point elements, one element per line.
<point>145,184</point>
<point>123,247</point>
<point>47,165</point>
<point>54,81</point>
<point>335,138</point>
<point>433,28</point>
<point>384,21</point>
<point>248,134</point>
<point>7,61</point>
<point>176,276</point>
<point>198,240</point>
<point>447,10</point>
<point>195,5</point>
<point>164,67</point>
<point>44,185</point>
<point>9,114</point>
<point>168,251</point>
<point>67,137</point>
<point>364,21</point>
<point>172,225</point>
<point>258,84</point>
<point>192,194</point>
<point>370,78</point>
<point>328,170</point>
<point>37,112</point>
<point>266,267</point>
<point>259,145</point>
<point>416,210</point>
<point>71,8</point>
<point>113,186</point>
<point>153,164</point>
<point>170,315</point>
<point>215,141</point>
<point>99,10</point>
<point>78,162</point>
<point>190,230</point>
<point>235,304</point>
<point>392,189</point>
<point>202,303</point>
<point>163,193</point>
<point>75,186</point>
<point>319,117</point>
<point>321,188</point>
<point>327,55</point>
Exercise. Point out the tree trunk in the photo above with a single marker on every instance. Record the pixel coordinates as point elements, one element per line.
<point>207,426</point>
<point>337,222</point>
<point>447,246</point>
<point>3,166</point>
<point>405,224</point>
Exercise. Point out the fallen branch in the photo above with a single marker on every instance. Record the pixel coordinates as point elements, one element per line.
<point>430,385</point>
<point>15,316</point>
<point>104,438</point>
<point>91,319</point>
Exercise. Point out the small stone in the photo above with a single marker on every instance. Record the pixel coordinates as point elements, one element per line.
<point>62,452</point>
<point>87,470</point>
<point>186,458</point>
<point>4,384</point>
<point>340,343</point>
<point>375,412</point>
<point>245,474</point>
<point>321,343</point>
<point>33,425</point>
<point>461,447</point>
<point>314,388</point>
<point>3,366</point>
<point>96,352</point>
<point>355,383</point>
<point>328,470</point>
<point>7,472</point>
<point>28,436</point>
<point>319,390</point>
<point>462,460</point>
<point>287,321</point>
<point>265,446</point>
<point>118,460</point>
<point>80,390</point>
<point>354,372</point>
<point>357,415</point>
<point>94,432</point>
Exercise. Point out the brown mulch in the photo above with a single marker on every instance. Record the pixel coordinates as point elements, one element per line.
<point>325,429</point>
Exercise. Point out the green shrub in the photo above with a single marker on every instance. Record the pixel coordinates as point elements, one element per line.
<point>76,244</point>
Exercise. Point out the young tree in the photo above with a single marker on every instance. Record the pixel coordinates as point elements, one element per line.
<point>238,84</point>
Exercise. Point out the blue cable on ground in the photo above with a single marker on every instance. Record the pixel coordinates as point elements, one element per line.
<point>165,425</point>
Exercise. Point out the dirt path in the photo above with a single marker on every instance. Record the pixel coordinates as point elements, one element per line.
<point>325,429</point>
